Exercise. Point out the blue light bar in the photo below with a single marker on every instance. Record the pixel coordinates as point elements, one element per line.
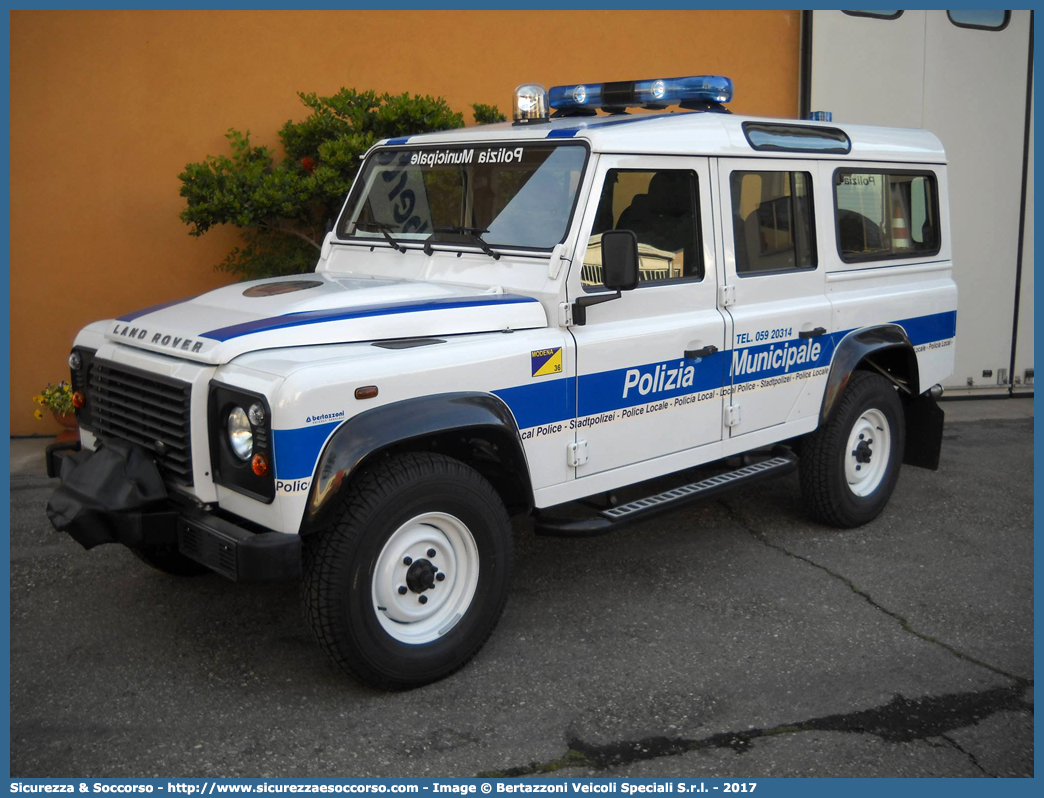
<point>655,93</point>
<point>577,97</point>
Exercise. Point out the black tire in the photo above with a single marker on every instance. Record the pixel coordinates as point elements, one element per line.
<point>170,561</point>
<point>824,454</point>
<point>341,561</point>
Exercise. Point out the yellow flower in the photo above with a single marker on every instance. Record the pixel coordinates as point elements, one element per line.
<point>38,414</point>
<point>38,399</point>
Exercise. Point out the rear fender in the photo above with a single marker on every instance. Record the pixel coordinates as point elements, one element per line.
<point>857,350</point>
<point>887,350</point>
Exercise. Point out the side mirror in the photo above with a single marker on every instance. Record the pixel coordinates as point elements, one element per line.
<point>619,260</point>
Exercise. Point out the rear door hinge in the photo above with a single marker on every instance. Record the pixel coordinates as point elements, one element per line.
<point>576,454</point>
<point>726,295</point>
<point>565,314</point>
<point>732,416</point>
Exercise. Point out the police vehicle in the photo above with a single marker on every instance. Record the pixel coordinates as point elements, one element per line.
<point>513,317</point>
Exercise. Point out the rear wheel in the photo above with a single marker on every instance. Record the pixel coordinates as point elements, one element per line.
<point>850,466</point>
<point>408,583</point>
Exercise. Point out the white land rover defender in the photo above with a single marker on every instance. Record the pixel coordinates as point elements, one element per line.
<point>512,317</point>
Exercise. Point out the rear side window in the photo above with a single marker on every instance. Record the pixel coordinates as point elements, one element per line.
<point>772,222</point>
<point>886,214</point>
<point>660,208</point>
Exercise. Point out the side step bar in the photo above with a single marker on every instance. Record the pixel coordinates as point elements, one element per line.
<point>782,462</point>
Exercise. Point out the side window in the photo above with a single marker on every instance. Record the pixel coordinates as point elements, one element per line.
<point>660,207</point>
<point>992,19</point>
<point>772,222</point>
<point>882,215</point>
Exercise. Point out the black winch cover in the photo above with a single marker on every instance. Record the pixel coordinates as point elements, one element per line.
<point>104,494</point>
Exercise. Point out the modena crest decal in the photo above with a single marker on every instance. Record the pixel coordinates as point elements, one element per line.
<point>546,361</point>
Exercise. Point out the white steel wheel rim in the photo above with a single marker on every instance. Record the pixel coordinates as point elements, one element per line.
<point>403,615</point>
<point>868,452</point>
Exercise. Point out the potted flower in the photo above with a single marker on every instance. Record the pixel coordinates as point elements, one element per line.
<point>58,399</point>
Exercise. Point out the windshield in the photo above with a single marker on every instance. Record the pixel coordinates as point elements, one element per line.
<point>513,195</point>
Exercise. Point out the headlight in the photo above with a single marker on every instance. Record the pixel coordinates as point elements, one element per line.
<point>240,436</point>
<point>239,427</point>
<point>80,364</point>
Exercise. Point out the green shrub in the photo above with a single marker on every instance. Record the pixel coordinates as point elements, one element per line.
<point>284,209</point>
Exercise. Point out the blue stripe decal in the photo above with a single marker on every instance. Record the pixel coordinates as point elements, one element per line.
<point>541,402</point>
<point>552,400</point>
<point>395,142</point>
<point>340,314</point>
<point>152,309</point>
<point>638,385</point>
<point>604,392</point>
<point>925,329</point>
<point>781,357</point>
<point>296,450</point>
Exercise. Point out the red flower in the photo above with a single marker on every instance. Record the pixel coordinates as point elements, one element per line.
<point>308,164</point>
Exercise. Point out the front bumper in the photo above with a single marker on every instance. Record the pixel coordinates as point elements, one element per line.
<point>119,497</point>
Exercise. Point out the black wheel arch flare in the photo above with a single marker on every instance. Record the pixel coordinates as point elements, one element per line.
<point>476,427</point>
<point>860,346</point>
<point>887,350</point>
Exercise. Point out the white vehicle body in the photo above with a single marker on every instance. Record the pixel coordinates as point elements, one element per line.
<point>513,317</point>
<point>625,405</point>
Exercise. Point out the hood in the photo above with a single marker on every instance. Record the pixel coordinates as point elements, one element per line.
<point>318,309</point>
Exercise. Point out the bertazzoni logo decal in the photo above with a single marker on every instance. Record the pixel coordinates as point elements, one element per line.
<point>319,418</point>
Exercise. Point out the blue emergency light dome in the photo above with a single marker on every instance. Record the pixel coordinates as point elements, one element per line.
<point>701,92</point>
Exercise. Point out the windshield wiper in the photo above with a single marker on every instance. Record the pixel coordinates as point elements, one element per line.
<point>385,230</point>
<point>474,233</point>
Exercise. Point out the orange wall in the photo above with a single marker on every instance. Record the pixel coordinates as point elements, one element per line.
<point>108,107</point>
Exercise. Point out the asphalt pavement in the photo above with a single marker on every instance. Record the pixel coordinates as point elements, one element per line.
<point>734,639</point>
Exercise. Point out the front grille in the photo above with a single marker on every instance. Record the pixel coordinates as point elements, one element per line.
<point>146,409</point>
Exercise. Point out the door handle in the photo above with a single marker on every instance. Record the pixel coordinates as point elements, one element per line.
<point>707,351</point>
<point>814,333</point>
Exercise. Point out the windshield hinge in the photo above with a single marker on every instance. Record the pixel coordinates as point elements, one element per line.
<point>565,314</point>
<point>559,255</point>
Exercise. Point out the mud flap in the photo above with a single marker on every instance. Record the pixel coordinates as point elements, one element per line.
<point>924,430</point>
<point>106,496</point>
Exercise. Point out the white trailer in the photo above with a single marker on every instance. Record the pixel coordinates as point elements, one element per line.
<point>967,77</point>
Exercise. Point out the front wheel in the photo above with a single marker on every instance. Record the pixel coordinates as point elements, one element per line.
<point>408,583</point>
<point>850,466</point>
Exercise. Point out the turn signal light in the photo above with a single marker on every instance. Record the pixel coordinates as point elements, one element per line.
<point>78,399</point>
<point>259,465</point>
<point>366,392</point>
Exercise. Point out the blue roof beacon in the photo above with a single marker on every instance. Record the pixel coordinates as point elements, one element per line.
<point>696,93</point>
